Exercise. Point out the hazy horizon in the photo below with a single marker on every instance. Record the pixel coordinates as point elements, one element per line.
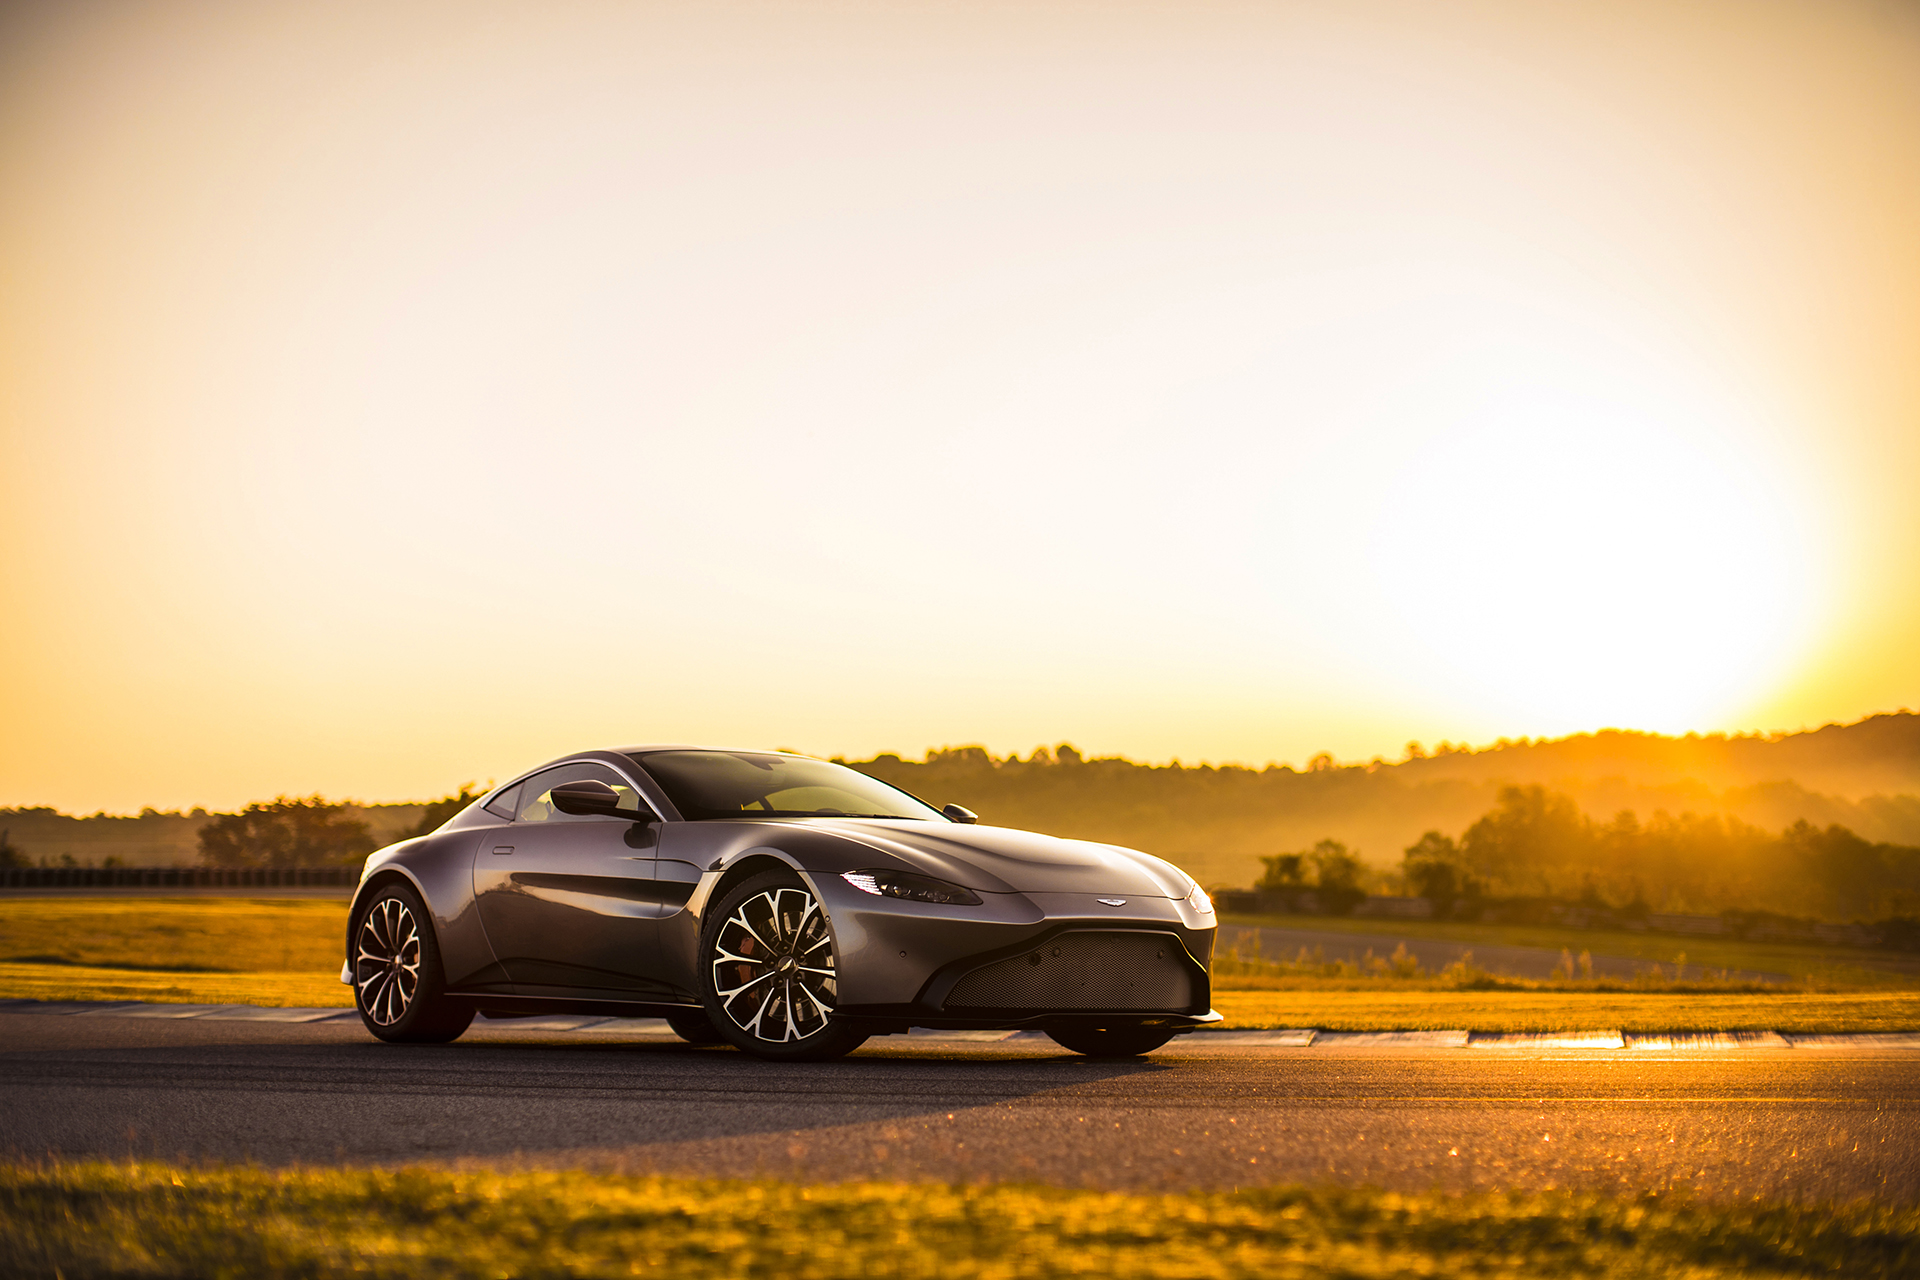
<point>393,395</point>
<point>1709,814</point>
<point>1432,752</point>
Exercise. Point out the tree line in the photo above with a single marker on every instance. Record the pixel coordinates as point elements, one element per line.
<point>1217,820</point>
<point>1536,842</point>
<point>307,831</point>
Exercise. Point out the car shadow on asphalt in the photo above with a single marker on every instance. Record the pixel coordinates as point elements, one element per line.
<point>372,1102</point>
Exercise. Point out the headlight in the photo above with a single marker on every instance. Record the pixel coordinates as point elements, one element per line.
<point>904,884</point>
<point>1199,900</point>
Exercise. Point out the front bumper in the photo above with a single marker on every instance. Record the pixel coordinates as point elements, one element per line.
<point>909,964</point>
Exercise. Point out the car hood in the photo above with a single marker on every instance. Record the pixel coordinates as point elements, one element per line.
<point>1003,860</point>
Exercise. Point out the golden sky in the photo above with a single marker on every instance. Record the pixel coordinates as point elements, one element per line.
<point>397,394</point>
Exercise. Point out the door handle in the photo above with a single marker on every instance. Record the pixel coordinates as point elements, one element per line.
<point>503,848</point>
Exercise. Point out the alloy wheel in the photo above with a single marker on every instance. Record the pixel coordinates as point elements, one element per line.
<point>773,966</point>
<point>386,967</point>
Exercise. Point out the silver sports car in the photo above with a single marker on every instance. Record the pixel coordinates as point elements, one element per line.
<point>786,905</point>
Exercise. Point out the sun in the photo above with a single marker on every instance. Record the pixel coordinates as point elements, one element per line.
<point>1579,546</point>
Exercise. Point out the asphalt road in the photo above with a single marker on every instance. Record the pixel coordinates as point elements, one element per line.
<point>1801,1123</point>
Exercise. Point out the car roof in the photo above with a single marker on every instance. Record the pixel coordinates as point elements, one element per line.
<point>694,746</point>
<point>624,753</point>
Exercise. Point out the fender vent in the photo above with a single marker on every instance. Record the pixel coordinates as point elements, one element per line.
<point>1084,971</point>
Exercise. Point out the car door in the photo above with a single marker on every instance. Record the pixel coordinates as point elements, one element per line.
<point>568,901</point>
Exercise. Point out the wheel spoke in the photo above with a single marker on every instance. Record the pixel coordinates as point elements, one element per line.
<point>816,991</point>
<point>728,995</point>
<point>810,919</point>
<point>818,1008</point>
<point>781,934</point>
<point>807,908</point>
<point>371,994</point>
<point>394,1007</point>
<point>740,918</point>
<point>754,1026</point>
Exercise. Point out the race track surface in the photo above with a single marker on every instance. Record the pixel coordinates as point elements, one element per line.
<point>1799,1123</point>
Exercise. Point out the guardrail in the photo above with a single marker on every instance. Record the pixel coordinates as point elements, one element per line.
<point>178,877</point>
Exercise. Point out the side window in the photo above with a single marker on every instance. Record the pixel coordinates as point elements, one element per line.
<point>536,793</point>
<point>504,804</point>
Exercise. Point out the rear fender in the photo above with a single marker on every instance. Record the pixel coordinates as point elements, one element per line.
<point>439,868</point>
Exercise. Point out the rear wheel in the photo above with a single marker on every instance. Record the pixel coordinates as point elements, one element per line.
<point>398,984</point>
<point>1111,1042</point>
<point>768,970</point>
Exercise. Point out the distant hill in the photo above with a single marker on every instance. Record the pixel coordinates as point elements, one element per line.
<point>1217,821</point>
<point>1876,756</point>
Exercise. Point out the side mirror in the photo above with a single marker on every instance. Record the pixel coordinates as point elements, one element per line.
<point>583,798</point>
<point>953,812</point>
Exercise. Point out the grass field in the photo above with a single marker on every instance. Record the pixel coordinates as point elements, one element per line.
<point>80,982</point>
<point>184,934</point>
<point>1821,966</point>
<point>287,952</point>
<point>191,950</point>
<point>149,1220</point>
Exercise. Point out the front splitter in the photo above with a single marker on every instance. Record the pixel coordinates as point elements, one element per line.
<point>895,1020</point>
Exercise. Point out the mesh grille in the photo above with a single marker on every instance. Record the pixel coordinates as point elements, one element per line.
<point>1103,971</point>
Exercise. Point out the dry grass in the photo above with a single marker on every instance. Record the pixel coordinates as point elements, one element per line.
<point>1548,1010</point>
<point>192,950</point>
<point>149,1220</point>
<point>1236,969</point>
<point>79,982</point>
<point>287,952</point>
<point>1826,967</point>
<point>178,935</point>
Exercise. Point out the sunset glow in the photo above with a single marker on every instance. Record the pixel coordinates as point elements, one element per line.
<point>391,396</point>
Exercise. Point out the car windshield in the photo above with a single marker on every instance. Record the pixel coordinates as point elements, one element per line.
<point>706,785</point>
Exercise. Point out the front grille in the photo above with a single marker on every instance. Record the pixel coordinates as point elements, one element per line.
<point>1084,971</point>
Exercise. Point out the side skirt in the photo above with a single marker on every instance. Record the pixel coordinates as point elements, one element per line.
<point>494,1006</point>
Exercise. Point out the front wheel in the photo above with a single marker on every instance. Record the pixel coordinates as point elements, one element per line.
<point>398,983</point>
<point>768,970</point>
<point>1111,1042</point>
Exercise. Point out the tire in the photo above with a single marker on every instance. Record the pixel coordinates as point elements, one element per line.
<point>767,973</point>
<point>694,1027</point>
<point>398,982</point>
<point>1111,1042</point>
